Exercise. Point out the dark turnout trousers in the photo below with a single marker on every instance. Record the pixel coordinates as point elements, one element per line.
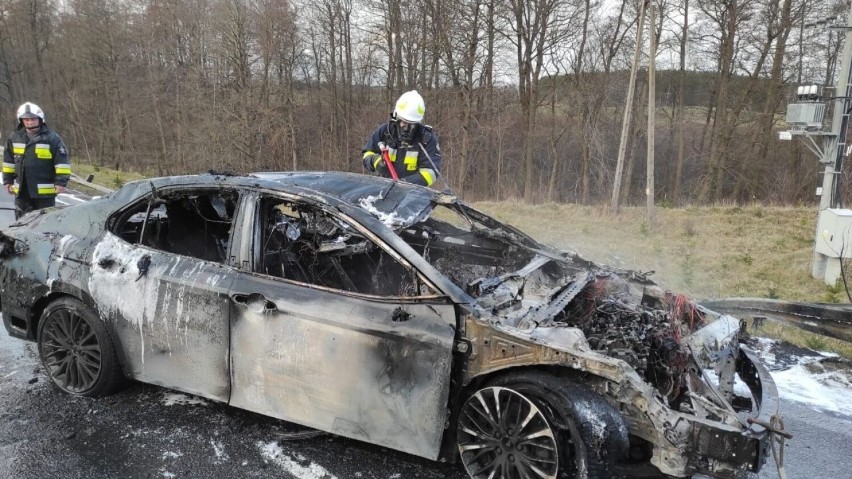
<point>25,205</point>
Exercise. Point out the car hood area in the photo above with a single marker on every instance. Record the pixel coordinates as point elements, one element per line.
<point>679,372</point>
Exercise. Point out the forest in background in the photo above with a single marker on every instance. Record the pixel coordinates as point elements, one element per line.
<point>527,96</point>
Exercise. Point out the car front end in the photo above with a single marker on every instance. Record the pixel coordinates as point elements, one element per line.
<point>716,424</point>
<point>695,399</point>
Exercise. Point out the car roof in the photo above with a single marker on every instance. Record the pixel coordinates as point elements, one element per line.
<point>348,187</point>
<point>373,194</point>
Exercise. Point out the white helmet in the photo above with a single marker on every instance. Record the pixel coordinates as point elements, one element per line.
<point>410,107</point>
<point>30,110</point>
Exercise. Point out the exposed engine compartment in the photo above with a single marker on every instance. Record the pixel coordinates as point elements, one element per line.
<point>649,338</point>
<point>526,288</point>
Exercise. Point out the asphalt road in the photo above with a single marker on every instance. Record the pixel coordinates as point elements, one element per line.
<point>821,446</point>
<point>146,431</point>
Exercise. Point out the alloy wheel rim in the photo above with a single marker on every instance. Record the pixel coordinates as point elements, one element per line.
<point>70,351</point>
<point>504,435</point>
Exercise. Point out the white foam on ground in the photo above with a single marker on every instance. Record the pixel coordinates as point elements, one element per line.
<point>219,450</point>
<point>823,390</point>
<point>272,452</point>
<point>172,399</point>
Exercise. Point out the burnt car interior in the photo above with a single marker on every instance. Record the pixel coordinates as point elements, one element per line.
<point>459,248</point>
<point>301,242</point>
<point>196,224</point>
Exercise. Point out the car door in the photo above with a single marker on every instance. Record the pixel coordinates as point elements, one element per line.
<point>162,282</point>
<point>336,354</point>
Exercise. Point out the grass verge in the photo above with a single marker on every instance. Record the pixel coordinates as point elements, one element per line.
<point>705,252</point>
<point>105,176</point>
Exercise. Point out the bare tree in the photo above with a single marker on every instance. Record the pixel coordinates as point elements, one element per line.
<point>780,21</point>
<point>27,34</point>
<point>524,95</point>
<point>279,49</point>
<point>652,112</point>
<point>97,48</point>
<point>459,28</point>
<point>332,45</point>
<point>535,28</point>
<point>680,115</point>
<point>628,113</point>
<point>752,50</point>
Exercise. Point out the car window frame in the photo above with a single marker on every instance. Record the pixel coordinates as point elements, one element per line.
<point>250,245</point>
<point>119,216</point>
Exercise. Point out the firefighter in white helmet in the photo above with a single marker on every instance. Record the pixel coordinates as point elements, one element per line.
<point>411,147</point>
<point>35,162</point>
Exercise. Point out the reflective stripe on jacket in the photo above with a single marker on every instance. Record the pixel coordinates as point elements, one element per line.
<point>40,163</point>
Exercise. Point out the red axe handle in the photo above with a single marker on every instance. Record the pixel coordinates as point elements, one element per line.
<point>388,162</point>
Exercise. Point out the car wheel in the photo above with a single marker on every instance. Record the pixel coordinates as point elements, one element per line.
<point>76,349</point>
<point>538,426</point>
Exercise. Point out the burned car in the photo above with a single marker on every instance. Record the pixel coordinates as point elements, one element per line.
<point>388,313</point>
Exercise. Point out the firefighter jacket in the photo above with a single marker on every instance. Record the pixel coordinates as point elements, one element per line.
<point>410,159</point>
<point>38,163</point>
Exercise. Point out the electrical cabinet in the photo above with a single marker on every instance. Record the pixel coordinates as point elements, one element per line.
<point>834,235</point>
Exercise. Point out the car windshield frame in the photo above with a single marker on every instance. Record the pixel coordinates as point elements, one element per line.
<point>397,212</point>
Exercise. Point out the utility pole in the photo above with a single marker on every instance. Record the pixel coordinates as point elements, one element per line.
<point>652,112</point>
<point>628,112</point>
<point>833,157</point>
<point>806,121</point>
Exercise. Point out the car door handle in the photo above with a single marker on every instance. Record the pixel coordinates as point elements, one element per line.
<point>399,315</point>
<point>106,263</point>
<point>143,264</point>
<point>255,302</point>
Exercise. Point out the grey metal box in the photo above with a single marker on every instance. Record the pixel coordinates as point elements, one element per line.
<point>806,115</point>
<point>834,233</point>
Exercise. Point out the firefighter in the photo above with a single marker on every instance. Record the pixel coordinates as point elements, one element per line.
<point>35,162</point>
<point>412,147</point>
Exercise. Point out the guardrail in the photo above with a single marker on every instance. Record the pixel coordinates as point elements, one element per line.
<point>88,183</point>
<point>833,320</point>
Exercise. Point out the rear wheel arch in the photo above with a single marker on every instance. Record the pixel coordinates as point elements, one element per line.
<point>37,309</point>
<point>59,290</point>
<point>77,349</point>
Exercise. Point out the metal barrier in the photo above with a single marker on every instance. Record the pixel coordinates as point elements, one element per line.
<point>88,183</point>
<point>833,320</point>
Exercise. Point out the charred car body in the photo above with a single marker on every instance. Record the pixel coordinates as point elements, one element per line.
<point>388,313</point>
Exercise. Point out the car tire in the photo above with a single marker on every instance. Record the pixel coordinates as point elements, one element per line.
<point>535,425</point>
<point>76,349</point>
